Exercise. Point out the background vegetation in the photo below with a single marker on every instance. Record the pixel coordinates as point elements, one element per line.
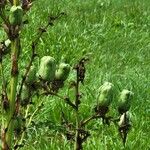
<point>117,33</point>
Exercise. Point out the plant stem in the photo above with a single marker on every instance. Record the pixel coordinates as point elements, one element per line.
<point>8,113</point>
<point>86,121</point>
<point>78,143</point>
<point>15,2</point>
<point>66,99</point>
<point>77,138</point>
<point>1,75</point>
<point>13,91</point>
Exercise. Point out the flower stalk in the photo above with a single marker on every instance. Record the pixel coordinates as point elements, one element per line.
<point>9,110</point>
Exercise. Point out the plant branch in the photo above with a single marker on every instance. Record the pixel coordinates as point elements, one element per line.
<point>66,99</point>
<point>16,2</point>
<point>78,141</point>
<point>86,121</point>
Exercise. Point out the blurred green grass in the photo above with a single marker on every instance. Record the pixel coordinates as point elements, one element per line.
<point>117,33</point>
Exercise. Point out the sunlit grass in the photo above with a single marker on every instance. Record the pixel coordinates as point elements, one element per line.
<point>117,33</point>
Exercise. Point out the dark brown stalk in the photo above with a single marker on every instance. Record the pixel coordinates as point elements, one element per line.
<point>78,141</point>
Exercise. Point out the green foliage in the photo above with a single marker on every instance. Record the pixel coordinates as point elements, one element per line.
<point>117,33</point>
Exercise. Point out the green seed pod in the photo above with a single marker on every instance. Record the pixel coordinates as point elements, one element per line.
<point>16,15</point>
<point>124,119</point>
<point>125,101</point>
<point>25,93</point>
<point>6,47</point>
<point>31,77</point>
<point>7,43</point>
<point>63,72</point>
<point>105,95</point>
<point>47,68</point>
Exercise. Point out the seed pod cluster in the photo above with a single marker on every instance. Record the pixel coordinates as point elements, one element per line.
<point>125,99</point>
<point>63,72</point>
<point>16,15</point>
<point>47,68</point>
<point>47,75</point>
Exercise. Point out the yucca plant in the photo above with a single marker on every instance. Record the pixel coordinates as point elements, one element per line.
<point>43,80</point>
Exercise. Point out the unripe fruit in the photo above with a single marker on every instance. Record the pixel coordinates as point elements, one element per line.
<point>63,72</point>
<point>105,95</point>
<point>25,93</point>
<point>124,119</point>
<point>6,47</point>
<point>16,15</point>
<point>47,68</point>
<point>125,99</point>
<point>31,77</point>
<point>7,43</point>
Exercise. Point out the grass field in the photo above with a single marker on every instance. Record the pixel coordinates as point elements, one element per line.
<point>117,33</point>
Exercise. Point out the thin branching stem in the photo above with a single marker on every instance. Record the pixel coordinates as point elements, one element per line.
<point>86,121</point>
<point>78,144</point>
<point>66,99</point>
<point>16,2</point>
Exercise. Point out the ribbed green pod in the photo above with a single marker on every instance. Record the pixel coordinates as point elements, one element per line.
<point>7,47</point>
<point>16,15</point>
<point>7,43</point>
<point>63,72</point>
<point>31,77</point>
<point>47,68</point>
<point>105,94</point>
<point>25,93</point>
<point>124,119</point>
<point>125,99</point>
